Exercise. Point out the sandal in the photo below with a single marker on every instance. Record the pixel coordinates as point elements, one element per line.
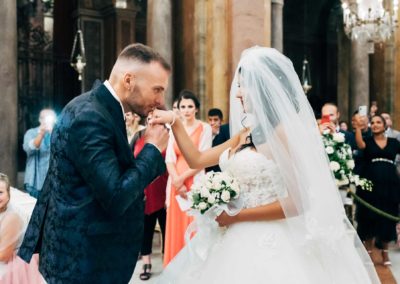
<point>146,274</point>
<point>387,262</point>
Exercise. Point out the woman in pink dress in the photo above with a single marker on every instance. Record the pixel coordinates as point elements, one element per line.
<point>181,175</point>
<point>13,270</point>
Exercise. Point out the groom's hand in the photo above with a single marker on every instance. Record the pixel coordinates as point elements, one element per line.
<point>158,135</point>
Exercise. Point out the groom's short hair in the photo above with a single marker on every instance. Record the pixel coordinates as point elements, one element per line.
<point>143,54</point>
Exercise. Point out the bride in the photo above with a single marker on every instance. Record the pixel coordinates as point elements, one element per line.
<point>292,227</point>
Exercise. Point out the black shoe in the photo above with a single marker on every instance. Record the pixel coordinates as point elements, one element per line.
<point>146,274</point>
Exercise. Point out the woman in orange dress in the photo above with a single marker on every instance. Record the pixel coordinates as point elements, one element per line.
<point>181,176</point>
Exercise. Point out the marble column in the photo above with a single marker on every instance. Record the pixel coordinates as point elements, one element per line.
<point>359,75</point>
<point>245,27</point>
<point>396,91</point>
<point>159,34</point>
<point>343,75</point>
<point>9,90</point>
<point>217,86</point>
<point>277,24</point>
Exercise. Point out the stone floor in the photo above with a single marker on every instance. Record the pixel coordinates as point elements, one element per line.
<point>388,275</point>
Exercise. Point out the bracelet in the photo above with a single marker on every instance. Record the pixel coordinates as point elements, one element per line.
<point>173,119</point>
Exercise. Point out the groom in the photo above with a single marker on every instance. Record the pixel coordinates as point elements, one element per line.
<point>88,222</point>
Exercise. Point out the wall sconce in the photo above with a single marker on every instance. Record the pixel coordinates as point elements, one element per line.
<point>306,77</point>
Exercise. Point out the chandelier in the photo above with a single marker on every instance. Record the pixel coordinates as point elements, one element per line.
<point>368,21</point>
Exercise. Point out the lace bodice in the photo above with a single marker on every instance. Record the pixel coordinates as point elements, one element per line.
<point>259,178</point>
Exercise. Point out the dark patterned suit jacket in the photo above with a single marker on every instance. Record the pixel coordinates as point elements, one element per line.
<point>220,138</point>
<point>88,222</point>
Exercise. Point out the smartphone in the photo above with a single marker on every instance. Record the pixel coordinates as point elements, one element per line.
<point>362,110</point>
<point>325,119</point>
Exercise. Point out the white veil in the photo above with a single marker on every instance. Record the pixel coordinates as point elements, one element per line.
<point>284,129</point>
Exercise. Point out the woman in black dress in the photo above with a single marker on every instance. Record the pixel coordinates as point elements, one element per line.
<point>379,154</point>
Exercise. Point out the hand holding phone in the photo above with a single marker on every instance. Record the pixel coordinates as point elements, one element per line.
<point>362,110</point>
<point>325,119</point>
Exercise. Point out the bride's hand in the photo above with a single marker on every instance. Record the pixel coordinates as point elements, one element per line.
<point>224,219</point>
<point>159,116</point>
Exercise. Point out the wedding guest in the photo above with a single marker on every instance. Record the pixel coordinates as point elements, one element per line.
<point>37,148</point>
<point>373,109</point>
<point>332,126</point>
<point>181,175</point>
<point>220,132</point>
<point>154,209</point>
<point>362,123</point>
<point>132,122</point>
<point>13,270</point>
<point>379,154</point>
<point>392,133</point>
<point>343,125</point>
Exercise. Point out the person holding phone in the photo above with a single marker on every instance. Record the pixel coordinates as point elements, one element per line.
<point>329,123</point>
<point>379,157</point>
<point>37,148</point>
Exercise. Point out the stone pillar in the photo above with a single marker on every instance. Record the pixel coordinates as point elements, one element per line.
<point>217,87</point>
<point>277,24</point>
<point>159,34</point>
<point>200,55</point>
<point>343,75</point>
<point>359,75</point>
<point>396,91</point>
<point>245,22</point>
<point>9,90</point>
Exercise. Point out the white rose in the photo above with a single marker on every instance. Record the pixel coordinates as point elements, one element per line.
<point>329,150</point>
<point>341,182</point>
<point>202,205</point>
<point>195,188</point>
<point>334,166</point>
<point>204,192</point>
<point>225,196</point>
<point>338,137</point>
<point>350,164</point>
<point>211,199</point>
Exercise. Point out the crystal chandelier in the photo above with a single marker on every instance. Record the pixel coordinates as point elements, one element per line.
<point>368,21</point>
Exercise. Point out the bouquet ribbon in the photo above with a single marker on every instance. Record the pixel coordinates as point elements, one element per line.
<point>207,229</point>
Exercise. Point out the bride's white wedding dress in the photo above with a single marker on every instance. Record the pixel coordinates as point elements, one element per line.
<point>261,252</point>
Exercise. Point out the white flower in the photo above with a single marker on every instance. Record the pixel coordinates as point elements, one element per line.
<point>225,196</point>
<point>350,164</point>
<point>211,199</point>
<point>338,137</point>
<point>334,166</point>
<point>341,182</point>
<point>196,188</point>
<point>204,192</point>
<point>202,205</point>
<point>329,150</point>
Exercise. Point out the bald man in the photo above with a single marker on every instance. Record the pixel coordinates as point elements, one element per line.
<point>88,222</point>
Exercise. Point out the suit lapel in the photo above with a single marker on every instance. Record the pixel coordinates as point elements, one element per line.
<point>112,109</point>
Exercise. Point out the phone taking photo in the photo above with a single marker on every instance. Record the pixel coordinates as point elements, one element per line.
<point>362,110</point>
<point>325,119</point>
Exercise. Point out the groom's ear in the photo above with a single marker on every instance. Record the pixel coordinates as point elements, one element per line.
<point>129,81</point>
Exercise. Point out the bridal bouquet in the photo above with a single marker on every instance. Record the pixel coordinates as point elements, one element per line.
<point>341,161</point>
<point>217,188</point>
